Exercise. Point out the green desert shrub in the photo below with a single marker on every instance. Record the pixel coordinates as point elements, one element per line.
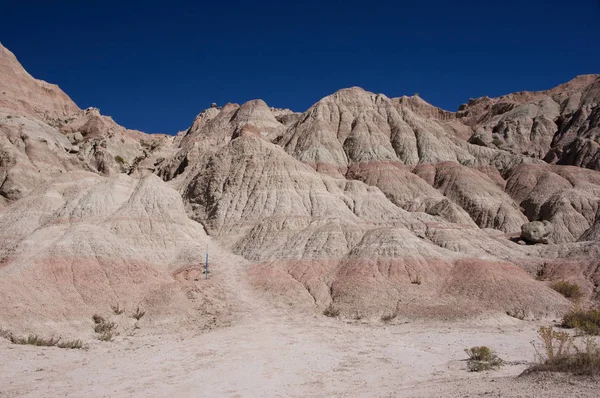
<point>567,289</point>
<point>588,321</point>
<point>561,354</point>
<point>482,358</point>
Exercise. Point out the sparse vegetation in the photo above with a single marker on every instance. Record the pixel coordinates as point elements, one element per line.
<point>117,310</point>
<point>357,316</point>
<point>554,344</point>
<point>38,341</point>
<point>72,344</point>
<point>586,321</point>
<point>482,358</point>
<point>138,314</point>
<point>106,336</point>
<point>497,142</point>
<point>4,333</point>
<point>567,289</point>
<point>541,272</point>
<point>105,327</point>
<point>119,159</point>
<point>562,355</point>
<point>331,311</point>
<point>517,313</point>
<point>415,280</point>
<point>34,339</point>
<point>388,317</point>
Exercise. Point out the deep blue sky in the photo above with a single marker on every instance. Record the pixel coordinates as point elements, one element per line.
<point>154,65</point>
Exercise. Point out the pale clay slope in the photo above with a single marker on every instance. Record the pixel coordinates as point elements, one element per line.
<point>351,202</point>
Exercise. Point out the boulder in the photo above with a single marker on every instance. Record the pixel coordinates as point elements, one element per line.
<point>537,231</point>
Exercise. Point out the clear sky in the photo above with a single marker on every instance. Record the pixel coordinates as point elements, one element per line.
<point>154,65</point>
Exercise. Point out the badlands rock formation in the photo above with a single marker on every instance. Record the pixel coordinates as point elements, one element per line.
<point>374,205</point>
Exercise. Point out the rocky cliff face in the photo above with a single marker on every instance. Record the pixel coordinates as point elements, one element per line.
<point>369,203</point>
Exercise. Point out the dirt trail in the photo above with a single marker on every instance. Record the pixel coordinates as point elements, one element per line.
<point>272,352</point>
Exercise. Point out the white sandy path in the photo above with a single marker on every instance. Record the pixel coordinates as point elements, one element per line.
<point>272,352</point>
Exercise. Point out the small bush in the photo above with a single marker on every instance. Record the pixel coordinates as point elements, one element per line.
<point>580,364</point>
<point>554,344</point>
<point>481,359</point>
<point>98,319</point>
<point>497,142</point>
<point>5,334</point>
<point>542,272</point>
<point>481,353</point>
<point>119,159</point>
<point>569,290</point>
<point>138,314</point>
<point>106,336</point>
<point>104,327</point>
<point>38,341</point>
<point>586,321</point>
<point>562,355</point>
<point>72,344</point>
<point>357,316</point>
<point>331,311</point>
<point>388,317</point>
<point>34,339</point>
<point>117,310</point>
<point>518,313</point>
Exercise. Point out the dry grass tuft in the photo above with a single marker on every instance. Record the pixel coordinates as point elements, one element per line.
<point>72,344</point>
<point>517,313</point>
<point>357,316</point>
<point>117,310</point>
<point>38,341</point>
<point>105,330</point>
<point>388,317</point>
<point>331,311</point>
<point>138,314</point>
<point>34,339</point>
<point>482,358</point>
<point>105,327</point>
<point>567,289</point>
<point>5,334</point>
<point>106,336</point>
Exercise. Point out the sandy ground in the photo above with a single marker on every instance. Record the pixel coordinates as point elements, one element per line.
<point>271,352</point>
